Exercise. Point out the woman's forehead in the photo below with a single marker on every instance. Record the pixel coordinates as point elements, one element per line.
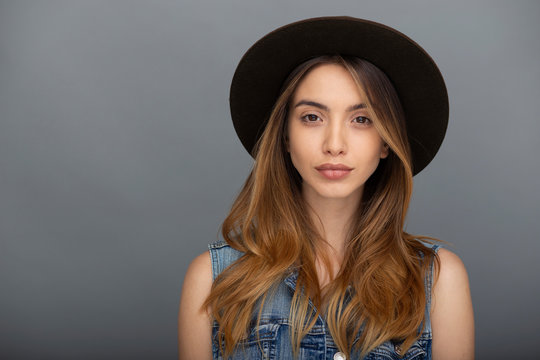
<point>328,84</point>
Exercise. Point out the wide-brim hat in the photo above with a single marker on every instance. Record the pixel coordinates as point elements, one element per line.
<point>259,77</point>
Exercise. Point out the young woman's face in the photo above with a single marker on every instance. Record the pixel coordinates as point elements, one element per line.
<point>332,142</point>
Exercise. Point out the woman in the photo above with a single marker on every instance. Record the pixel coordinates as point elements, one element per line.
<point>339,114</point>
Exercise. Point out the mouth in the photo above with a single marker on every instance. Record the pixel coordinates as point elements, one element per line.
<point>334,171</point>
<point>335,167</point>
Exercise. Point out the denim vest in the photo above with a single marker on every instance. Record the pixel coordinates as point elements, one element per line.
<point>271,339</point>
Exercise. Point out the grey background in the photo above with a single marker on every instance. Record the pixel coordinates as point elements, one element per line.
<point>118,161</point>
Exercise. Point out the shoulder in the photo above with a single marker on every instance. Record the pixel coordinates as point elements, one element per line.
<point>221,256</point>
<point>452,273</point>
<point>194,324</point>
<point>452,318</point>
<point>199,271</point>
<point>197,281</point>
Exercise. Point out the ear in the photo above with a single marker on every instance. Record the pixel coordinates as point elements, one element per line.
<point>385,151</point>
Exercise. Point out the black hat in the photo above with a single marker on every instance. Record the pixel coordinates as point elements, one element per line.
<point>258,79</point>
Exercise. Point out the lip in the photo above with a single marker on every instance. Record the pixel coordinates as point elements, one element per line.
<point>329,166</point>
<point>334,171</point>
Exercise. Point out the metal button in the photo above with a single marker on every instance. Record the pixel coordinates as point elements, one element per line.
<point>339,356</point>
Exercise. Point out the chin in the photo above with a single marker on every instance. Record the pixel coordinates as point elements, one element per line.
<point>335,193</point>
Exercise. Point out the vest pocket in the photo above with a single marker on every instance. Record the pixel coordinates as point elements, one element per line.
<point>260,344</point>
<point>391,351</point>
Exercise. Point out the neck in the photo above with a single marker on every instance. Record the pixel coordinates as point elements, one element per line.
<point>332,218</point>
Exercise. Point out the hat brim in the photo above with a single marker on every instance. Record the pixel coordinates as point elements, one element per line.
<point>418,82</point>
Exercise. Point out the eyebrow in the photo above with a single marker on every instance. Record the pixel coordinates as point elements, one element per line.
<point>325,108</point>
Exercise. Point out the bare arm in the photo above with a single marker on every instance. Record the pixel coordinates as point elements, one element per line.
<point>194,325</point>
<point>452,320</point>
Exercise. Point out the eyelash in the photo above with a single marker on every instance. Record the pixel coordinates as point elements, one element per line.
<point>365,120</point>
<point>306,117</point>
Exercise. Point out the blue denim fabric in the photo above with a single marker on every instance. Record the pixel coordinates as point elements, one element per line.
<point>271,339</point>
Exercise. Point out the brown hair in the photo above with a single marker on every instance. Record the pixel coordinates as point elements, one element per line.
<point>384,266</point>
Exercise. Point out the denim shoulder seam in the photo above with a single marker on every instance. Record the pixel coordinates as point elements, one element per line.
<point>429,288</point>
<point>214,259</point>
<point>221,256</point>
<point>218,244</point>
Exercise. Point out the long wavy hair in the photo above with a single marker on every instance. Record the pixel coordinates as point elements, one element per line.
<point>379,289</point>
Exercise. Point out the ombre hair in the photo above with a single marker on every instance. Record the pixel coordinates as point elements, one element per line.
<point>380,288</point>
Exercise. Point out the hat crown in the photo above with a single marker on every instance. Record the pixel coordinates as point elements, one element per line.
<point>260,74</point>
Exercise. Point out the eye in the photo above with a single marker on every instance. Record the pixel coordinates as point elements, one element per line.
<point>362,120</point>
<point>310,118</point>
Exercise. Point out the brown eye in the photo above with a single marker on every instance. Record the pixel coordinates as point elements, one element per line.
<point>362,120</point>
<point>310,118</point>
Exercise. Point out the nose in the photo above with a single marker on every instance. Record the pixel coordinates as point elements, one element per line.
<point>335,139</point>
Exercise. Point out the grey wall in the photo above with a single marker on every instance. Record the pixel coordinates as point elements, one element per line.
<point>118,161</point>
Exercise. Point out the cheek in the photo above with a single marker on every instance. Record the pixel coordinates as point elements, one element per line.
<point>301,155</point>
<point>297,156</point>
<point>370,146</point>
<point>299,146</point>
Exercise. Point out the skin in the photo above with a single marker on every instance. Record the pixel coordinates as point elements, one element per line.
<point>194,325</point>
<point>336,132</point>
<point>452,319</point>
<point>328,123</point>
